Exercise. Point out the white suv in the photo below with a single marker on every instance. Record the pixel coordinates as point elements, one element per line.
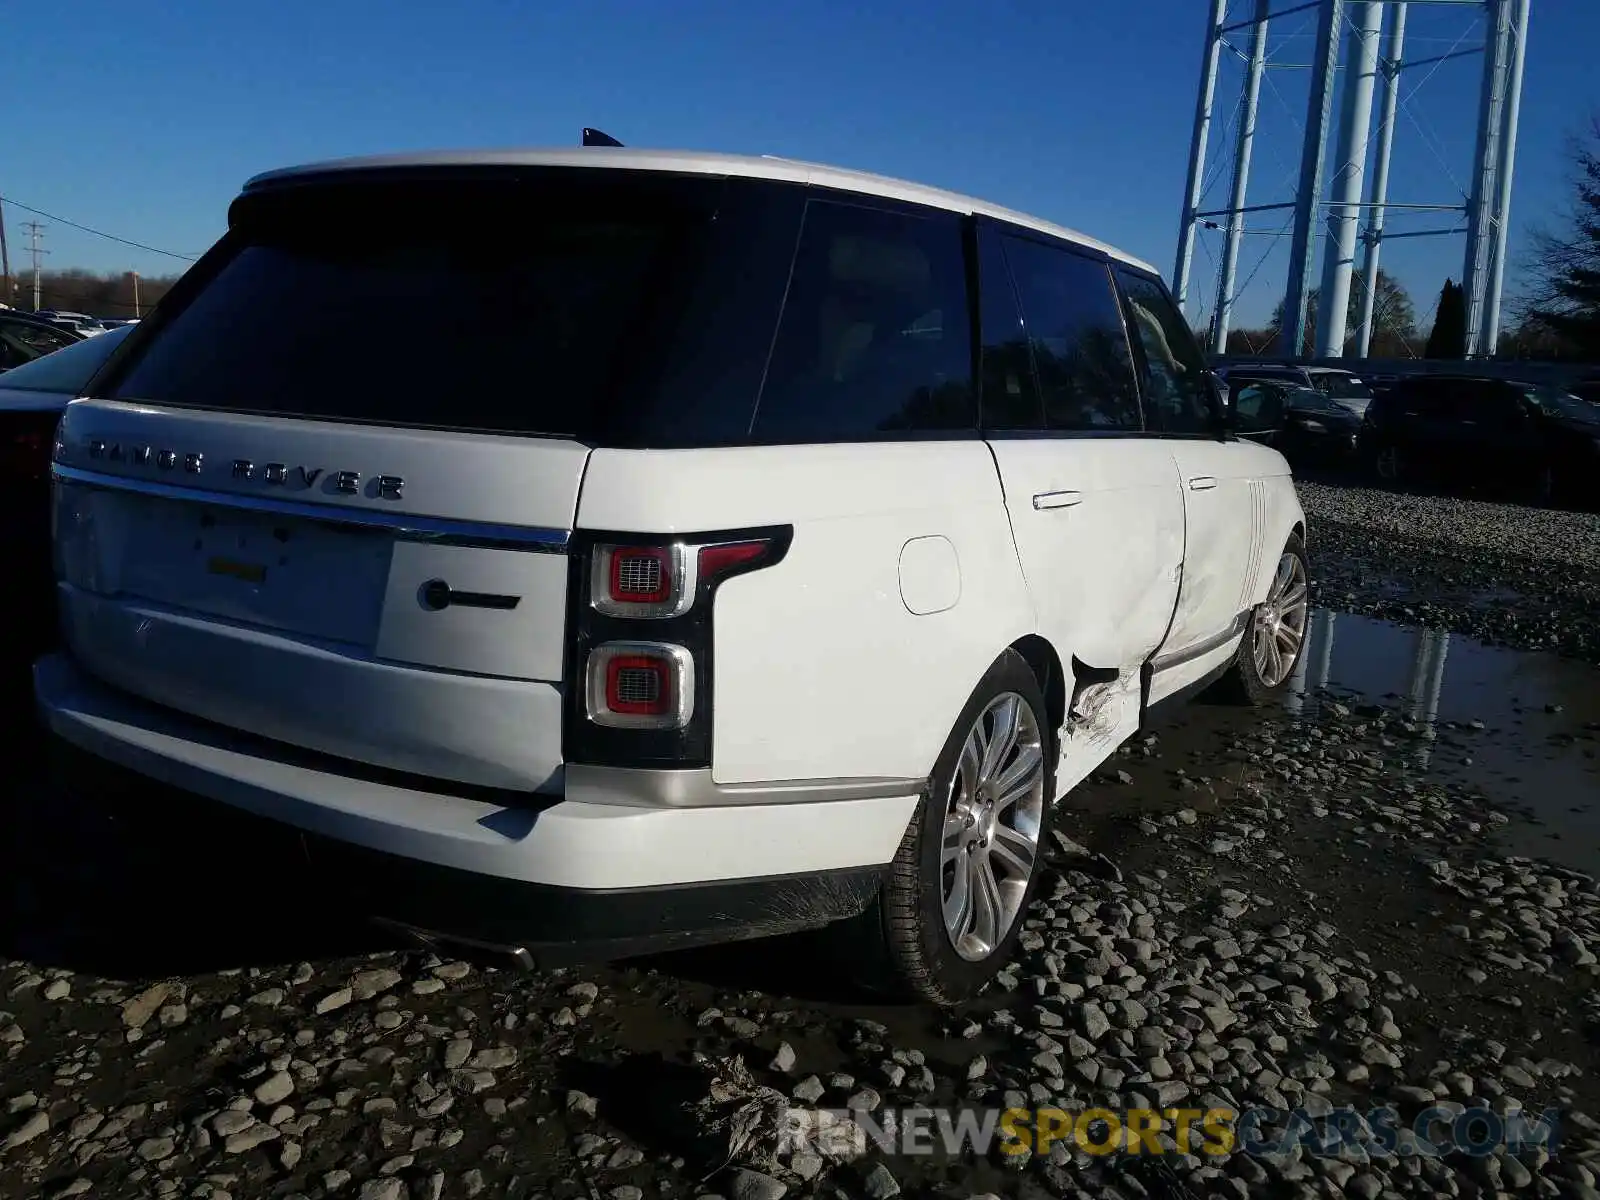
<point>786,545</point>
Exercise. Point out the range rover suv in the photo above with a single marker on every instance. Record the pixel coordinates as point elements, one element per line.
<point>785,548</point>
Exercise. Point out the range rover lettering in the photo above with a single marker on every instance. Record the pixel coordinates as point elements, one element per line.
<point>789,545</point>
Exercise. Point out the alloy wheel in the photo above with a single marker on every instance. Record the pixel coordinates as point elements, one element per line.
<point>1280,623</point>
<point>993,817</point>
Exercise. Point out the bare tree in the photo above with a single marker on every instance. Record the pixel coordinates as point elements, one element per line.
<point>1560,294</point>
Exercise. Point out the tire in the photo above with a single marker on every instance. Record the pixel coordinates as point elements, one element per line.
<point>1542,489</point>
<point>1387,465</point>
<point>919,958</point>
<point>1253,679</point>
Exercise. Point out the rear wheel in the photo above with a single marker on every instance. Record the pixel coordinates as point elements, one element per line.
<point>1542,489</point>
<point>1275,638</point>
<point>955,897</point>
<point>1386,464</point>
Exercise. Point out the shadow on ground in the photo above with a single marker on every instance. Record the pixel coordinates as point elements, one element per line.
<point>128,890</point>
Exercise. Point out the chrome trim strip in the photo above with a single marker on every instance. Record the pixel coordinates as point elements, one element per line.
<point>1178,657</point>
<point>406,526</point>
<point>668,788</point>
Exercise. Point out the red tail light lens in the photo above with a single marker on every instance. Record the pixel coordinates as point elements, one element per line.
<point>642,581</point>
<point>640,685</point>
<point>724,557</point>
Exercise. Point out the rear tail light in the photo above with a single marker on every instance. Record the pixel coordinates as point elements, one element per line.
<point>640,685</point>
<point>659,582</point>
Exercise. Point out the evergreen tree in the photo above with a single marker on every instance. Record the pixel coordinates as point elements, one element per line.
<point>1449,336</point>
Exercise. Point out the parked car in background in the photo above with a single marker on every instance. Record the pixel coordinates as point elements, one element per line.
<point>1306,426</point>
<point>1527,440</point>
<point>76,321</point>
<point>32,398</point>
<point>841,527</point>
<point>1347,389</point>
<point>24,338</point>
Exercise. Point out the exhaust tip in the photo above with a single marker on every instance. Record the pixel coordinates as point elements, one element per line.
<point>481,953</point>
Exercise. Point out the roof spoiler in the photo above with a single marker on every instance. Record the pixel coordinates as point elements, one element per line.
<point>596,137</point>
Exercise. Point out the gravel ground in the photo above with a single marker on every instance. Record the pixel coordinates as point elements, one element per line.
<point>1506,574</point>
<point>1243,909</point>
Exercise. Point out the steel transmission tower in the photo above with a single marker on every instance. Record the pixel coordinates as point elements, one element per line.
<point>1359,25</point>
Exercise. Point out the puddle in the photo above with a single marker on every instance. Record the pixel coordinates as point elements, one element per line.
<point>1538,750</point>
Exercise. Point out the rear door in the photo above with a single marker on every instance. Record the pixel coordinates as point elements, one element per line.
<point>326,496</point>
<point>1222,489</point>
<point>1094,504</point>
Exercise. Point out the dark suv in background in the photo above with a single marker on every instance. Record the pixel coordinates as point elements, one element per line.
<point>1531,441</point>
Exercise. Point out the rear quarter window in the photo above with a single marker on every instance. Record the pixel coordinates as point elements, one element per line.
<point>875,338</point>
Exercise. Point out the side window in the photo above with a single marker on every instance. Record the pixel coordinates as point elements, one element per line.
<point>1074,328</point>
<point>874,336</point>
<point>1010,393</point>
<point>1177,398</point>
<point>1250,399</point>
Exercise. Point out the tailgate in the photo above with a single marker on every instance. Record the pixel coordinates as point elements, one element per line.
<point>201,551</point>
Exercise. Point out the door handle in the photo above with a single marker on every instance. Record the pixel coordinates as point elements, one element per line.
<point>1046,500</point>
<point>437,595</point>
<point>1202,483</point>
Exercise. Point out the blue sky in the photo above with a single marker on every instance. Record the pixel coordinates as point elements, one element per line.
<point>143,120</point>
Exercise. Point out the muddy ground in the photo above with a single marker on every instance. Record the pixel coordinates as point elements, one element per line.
<point>1380,893</point>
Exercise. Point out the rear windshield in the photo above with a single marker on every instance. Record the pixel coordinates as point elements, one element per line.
<point>527,304</point>
<point>1344,387</point>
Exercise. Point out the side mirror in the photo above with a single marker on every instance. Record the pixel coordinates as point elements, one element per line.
<point>1254,409</point>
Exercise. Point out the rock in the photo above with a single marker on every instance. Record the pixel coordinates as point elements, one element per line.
<point>977,1068</point>
<point>27,1131</point>
<point>275,1089</point>
<point>249,1139</point>
<point>333,1000</point>
<point>880,1183</point>
<point>139,1010</point>
<point>155,1149</point>
<point>57,989</point>
<point>784,1059</point>
<point>1095,1022</point>
<point>364,985</point>
<point>456,1053</point>
<point>388,1188</point>
<point>494,1058</point>
<point>231,1121</point>
<point>335,1179</point>
<point>809,1090</point>
<point>753,1185</point>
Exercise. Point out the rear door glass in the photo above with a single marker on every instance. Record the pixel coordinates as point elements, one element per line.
<point>1080,349</point>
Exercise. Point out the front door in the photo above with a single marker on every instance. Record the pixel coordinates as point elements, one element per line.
<point>1221,481</point>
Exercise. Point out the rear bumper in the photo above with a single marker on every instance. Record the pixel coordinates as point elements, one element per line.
<point>564,880</point>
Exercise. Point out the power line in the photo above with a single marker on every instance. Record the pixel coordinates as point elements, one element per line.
<point>39,212</point>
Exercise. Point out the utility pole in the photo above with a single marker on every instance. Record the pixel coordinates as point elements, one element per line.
<point>34,230</point>
<point>135,275</point>
<point>5,263</point>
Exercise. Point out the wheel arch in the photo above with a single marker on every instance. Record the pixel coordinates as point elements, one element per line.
<point>1045,662</point>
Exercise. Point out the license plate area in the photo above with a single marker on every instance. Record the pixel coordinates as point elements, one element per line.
<point>290,574</point>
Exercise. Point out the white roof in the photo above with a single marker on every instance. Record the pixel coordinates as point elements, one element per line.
<point>705,163</point>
